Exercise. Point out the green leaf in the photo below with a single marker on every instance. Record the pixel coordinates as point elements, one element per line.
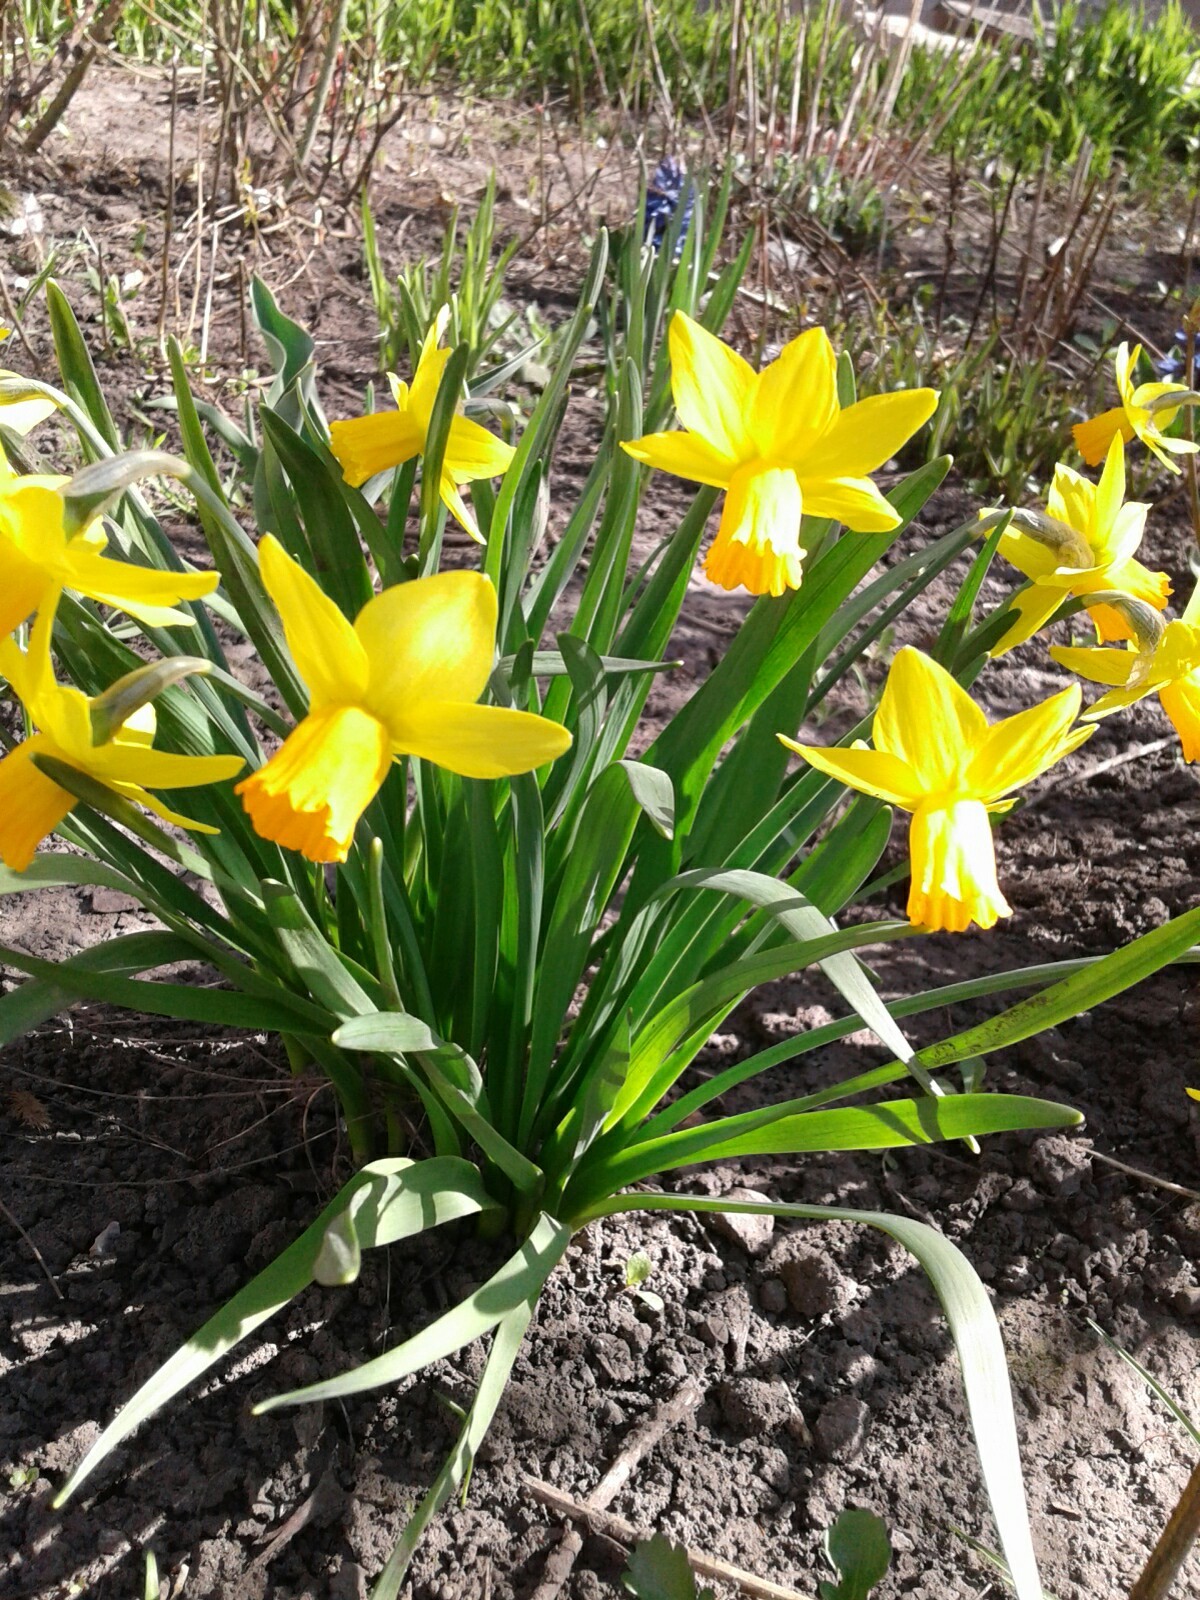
<point>659,1570</point>
<point>654,792</point>
<point>860,1551</point>
<point>976,1336</point>
<point>399,1198</point>
<point>519,1280</point>
<point>291,348</point>
<point>505,1346</point>
<point>75,364</point>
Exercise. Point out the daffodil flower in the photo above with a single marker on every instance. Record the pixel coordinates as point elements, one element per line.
<point>403,679</point>
<point>937,757</point>
<point>1101,558</point>
<point>39,560</point>
<point>364,446</point>
<point>780,445</point>
<point>31,804</point>
<point>22,415</point>
<point>1138,416</point>
<point>1171,670</point>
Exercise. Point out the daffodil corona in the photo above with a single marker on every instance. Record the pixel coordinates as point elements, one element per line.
<point>366,445</point>
<point>39,560</point>
<point>1137,417</point>
<point>937,757</point>
<point>780,445</point>
<point>403,679</point>
<point>32,804</point>
<point>1101,556</point>
<point>1171,670</point>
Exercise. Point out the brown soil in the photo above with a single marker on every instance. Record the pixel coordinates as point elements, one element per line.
<point>827,1373</point>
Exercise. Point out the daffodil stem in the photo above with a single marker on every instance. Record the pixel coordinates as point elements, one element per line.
<point>1190,324</point>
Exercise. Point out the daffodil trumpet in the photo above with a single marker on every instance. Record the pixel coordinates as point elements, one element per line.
<point>937,757</point>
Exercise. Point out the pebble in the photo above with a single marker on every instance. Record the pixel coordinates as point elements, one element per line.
<point>750,1233</point>
<point>841,1429</point>
<point>772,1296</point>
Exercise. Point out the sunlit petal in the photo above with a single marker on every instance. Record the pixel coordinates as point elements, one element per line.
<point>1020,748</point>
<point>685,455</point>
<point>868,434</point>
<point>480,741</point>
<point>1097,666</point>
<point>322,642</point>
<point>144,592</point>
<point>795,399</point>
<point>472,452</point>
<point>364,446</point>
<point>713,387</point>
<point>1181,702</point>
<point>1030,609</point>
<point>926,719</point>
<point>434,639</point>
<point>872,772</point>
<point>31,804</point>
<point>854,501</point>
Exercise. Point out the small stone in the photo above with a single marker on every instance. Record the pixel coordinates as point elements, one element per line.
<point>105,1242</point>
<point>841,1429</point>
<point>750,1233</point>
<point>752,1406</point>
<point>349,1582</point>
<point>813,1283</point>
<point>1186,1301</point>
<point>772,1296</point>
<point>1059,1164</point>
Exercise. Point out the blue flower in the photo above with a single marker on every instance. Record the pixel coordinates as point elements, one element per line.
<point>667,187</point>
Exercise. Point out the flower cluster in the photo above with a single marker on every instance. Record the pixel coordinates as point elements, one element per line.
<point>407,676</point>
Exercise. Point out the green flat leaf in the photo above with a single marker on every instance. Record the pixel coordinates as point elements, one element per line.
<point>889,1125</point>
<point>659,1570</point>
<point>519,1280</point>
<point>654,792</point>
<point>320,968</point>
<point>75,364</point>
<point>861,1552</point>
<point>56,869</point>
<point>395,1200</point>
<point>506,1344</point>
<point>976,1336</point>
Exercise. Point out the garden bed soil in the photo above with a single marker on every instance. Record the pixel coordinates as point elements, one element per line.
<point>826,1372</point>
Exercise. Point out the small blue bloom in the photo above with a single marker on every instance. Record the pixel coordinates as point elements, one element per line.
<point>667,187</point>
<point>1172,364</point>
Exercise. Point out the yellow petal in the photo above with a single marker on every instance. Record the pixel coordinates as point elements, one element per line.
<point>1125,364</point>
<point>22,416</point>
<point>146,593</point>
<point>31,804</point>
<point>1072,499</point>
<point>795,398</point>
<point>1018,749</point>
<point>1093,437</point>
<point>953,869</point>
<point>854,501</point>
<point>926,719</point>
<point>27,588</point>
<point>458,508</point>
<point>1031,609</point>
<point>124,761</point>
<point>868,434</point>
<point>322,642</point>
<point>1097,666</point>
<point>313,790</point>
<point>426,381</point>
<point>713,387</point>
<point>1181,702</point>
<point>871,772</point>
<point>472,452</point>
<point>1027,554</point>
<point>138,796</point>
<point>481,741</point>
<point>1110,493</point>
<point>364,446</point>
<point>431,639</point>
<point>757,546</point>
<point>1137,581</point>
<point>685,455</point>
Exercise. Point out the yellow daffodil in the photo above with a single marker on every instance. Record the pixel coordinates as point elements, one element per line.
<point>367,445</point>
<point>1171,670</point>
<point>32,804</point>
<point>38,560</point>
<point>1136,417</point>
<point>780,445</point>
<point>937,757</point>
<point>22,415</point>
<point>1100,558</point>
<point>403,679</point>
